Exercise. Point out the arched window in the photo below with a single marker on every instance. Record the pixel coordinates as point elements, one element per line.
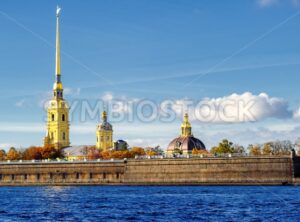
<point>64,135</point>
<point>63,117</point>
<point>52,117</point>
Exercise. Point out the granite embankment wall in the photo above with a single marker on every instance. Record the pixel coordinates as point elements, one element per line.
<point>205,171</point>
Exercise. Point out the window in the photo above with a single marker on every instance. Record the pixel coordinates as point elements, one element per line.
<point>52,135</point>
<point>64,136</point>
<point>77,176</point>
<point>50,176</point>
<point>12,177</point>
<point>178,145</point>
<point>91,175</point>
<point>25,176</point>
<point>104,175</point>
<point>107,138</point>
<point>52,117</point>
<point>64,175</point>
<point>0,176</point>
<point>38,176</point>
<point>101,138</point>
<point>63,117</point>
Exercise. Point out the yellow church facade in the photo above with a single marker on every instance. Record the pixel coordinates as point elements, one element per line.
<point>104,134</point>
<point>58,109</point>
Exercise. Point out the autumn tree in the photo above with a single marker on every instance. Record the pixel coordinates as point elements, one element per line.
<point>266,150</point>
<point>121,154</point>
<point>199,151</point>
<point>49,152</point>
<point>2,155</point>
<point>32,153</point>
<point>137,151</point>
<point>13,154</point>
<point>105,155</point>
<point>254,150</point>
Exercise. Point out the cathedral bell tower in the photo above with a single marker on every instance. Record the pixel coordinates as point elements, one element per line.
<point>58,108</point>
<point>104,134</point>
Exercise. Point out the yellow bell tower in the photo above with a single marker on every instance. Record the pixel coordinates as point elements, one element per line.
<point>104,134</point>
<point>186,128</point>
<point>58,109</point>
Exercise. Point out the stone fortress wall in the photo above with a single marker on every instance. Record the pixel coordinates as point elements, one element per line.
<point>201,171</point>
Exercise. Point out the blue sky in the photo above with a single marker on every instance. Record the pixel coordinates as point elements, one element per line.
<point>155,50</point>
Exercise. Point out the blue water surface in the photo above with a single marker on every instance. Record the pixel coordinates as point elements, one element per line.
<point>150,203</point>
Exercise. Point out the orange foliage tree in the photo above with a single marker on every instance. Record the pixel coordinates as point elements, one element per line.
<point>49,152</point>
<point>121,154</point>
<point>32,153</point>
<point>13,154</point>
<point>2,155</point>
<point>199,151</point>
<point>137,151</point>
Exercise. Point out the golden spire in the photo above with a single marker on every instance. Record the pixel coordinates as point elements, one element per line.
<point>58,86</point>
<point>186,128</point>
<point>57,55</point>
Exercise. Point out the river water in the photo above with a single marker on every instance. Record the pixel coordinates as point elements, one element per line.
<point>150,203</point>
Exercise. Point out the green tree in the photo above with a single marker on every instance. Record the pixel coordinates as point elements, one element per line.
<point>224,147</point>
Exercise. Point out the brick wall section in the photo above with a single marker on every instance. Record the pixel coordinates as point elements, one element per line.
<point>61,173</point>
<point>215,171</point>
<point>252,171</point>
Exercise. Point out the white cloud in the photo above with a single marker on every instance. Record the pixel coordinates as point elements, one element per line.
<point>107,97</point>
<point>252,136</point>
<point>119,104</point>
<point>268,3</point>
<point>20,103</point>
<point>72,92</point>
<point>297,114</point>
<point>22,127</point>
<point>235,108</point>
